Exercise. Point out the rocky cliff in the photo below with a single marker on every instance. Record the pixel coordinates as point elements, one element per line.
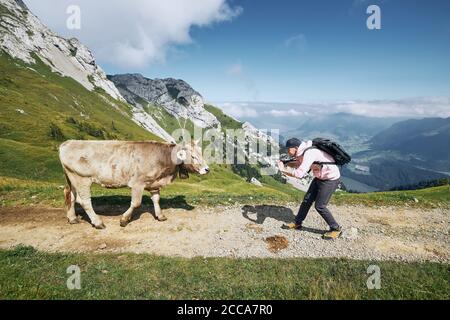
<point>25,37</point>
<point>176,96</point>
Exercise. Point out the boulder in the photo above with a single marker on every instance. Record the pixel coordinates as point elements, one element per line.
<point>256,182</point>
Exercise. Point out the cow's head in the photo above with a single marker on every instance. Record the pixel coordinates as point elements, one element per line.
<point>189,158</point>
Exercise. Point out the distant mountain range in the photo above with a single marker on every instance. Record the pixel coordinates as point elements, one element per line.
<point>427,139</point>
<point>352,131</point>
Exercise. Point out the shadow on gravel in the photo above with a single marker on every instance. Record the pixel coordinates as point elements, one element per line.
<point>117,205</point>
<point>279,213</point>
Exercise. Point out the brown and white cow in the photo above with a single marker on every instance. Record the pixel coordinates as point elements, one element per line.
<point>145,165</point>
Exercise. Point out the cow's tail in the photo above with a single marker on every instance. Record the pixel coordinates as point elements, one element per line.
<point>68,193</point>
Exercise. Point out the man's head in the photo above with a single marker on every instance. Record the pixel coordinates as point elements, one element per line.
<point>292,146</point>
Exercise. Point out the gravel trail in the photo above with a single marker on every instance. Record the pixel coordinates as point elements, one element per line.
<point>386,233</point>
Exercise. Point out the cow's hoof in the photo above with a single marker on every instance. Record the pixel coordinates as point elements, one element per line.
<point>124,223</point>
<point>100,226</point>
<point>161,218</point>
<point>74,221</point>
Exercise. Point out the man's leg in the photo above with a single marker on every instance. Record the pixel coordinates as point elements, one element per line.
<point>307,202</point>
<point>325,191</point>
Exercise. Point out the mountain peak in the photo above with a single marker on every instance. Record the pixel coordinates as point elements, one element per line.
<point>175,95</point>
<point>26,38</point>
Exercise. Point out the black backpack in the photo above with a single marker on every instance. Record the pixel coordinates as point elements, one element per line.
<point>333,149</point>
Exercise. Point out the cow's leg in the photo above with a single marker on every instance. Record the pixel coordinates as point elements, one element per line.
<point>71,215</point>
<point>136,200</point>
<point>84,199</point>
<point>155,198</point>
<point>70,197</point>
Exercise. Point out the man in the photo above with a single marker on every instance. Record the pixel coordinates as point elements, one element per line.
<point>325,183</point>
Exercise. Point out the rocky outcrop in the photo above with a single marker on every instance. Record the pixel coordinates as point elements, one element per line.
<point>25,37</point>
<point>176,96</point>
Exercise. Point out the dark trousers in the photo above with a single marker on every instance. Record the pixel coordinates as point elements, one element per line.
<point>320,192</point>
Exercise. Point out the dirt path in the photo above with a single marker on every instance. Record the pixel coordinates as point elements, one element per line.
<point>238,231</point>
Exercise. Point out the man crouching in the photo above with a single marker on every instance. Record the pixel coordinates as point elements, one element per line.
<point>326,181</point>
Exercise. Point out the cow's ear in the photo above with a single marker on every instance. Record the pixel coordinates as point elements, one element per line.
<point>181,155</point>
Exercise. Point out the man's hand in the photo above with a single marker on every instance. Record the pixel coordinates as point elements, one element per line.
<point>283,169</point>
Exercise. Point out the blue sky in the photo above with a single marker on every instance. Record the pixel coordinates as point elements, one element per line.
<point>291,51</point>
<point>335,56</point>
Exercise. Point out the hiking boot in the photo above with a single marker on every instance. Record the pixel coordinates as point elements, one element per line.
<point>292,226</point>
<point>332,234</point>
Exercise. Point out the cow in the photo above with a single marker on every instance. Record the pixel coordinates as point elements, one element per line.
<point>139,165</point>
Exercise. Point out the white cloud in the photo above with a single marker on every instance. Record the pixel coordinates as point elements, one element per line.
<point>239,110</point>
<point>134,34</point>
<point>285,113</point>
<point>422,107</point>
<point>418,107</point>
<point>235,69</point>
<point>297,42</point>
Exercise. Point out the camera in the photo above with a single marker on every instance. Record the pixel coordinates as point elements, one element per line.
<point>285,158</point>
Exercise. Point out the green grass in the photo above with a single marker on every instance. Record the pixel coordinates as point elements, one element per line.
<point>226,121</point>
<point>24,161</point>
<point>436,197</point>
<point>221,186</point>
<point>29,274</point>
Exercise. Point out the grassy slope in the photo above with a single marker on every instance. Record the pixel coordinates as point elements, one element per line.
<point>49,98</point>
<point>25,161</point>
<point>436,197</point>
<point>226,121</point>
<point>28,274</point>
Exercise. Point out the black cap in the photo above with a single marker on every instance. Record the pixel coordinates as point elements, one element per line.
<point>293,143</point>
